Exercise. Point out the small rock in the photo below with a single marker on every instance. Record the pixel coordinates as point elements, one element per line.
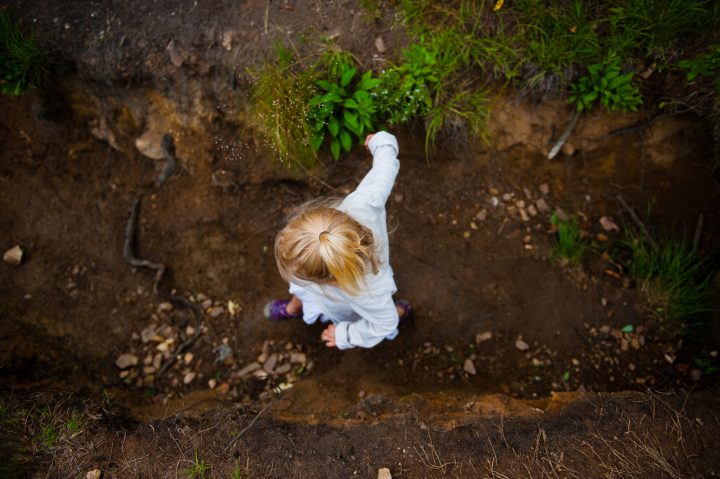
<point>562,216</point>
<point>13,256</point>
<point>604,329</point>
<point>384,473</point>
<point>227,39</point>
<point>157,360</point>
<point>635,343</point>
<point>380,45</point>
<point>223,178</point>
<point>508,196</point>
<point>233,307</point>
<point>165,345</point>
<point>175,57</point>
<point>398,197</point>
<point>190,331</point>
<point>206,303</point>
<point>260,374</point>
<point>473,226</point>
<point>695,374</point>
<point>669,358</point>
<point>482,337</point>
<point>188,357</point>
<point>189,377</point>
<point>527,239</point>
<point>212,383</point>
<point>269,365</point>
<point>469,367</point>
<point>466,234</point>
<point>542,205</point>
<point>149,370</point>
<point>147,334</point>
<point>126,360</point>
<point>165,307</point>
<point>298,358</point>
<point>544,189</point>
<point>94,474</point>
<point>283,368</point>
<point>249,369</point>
<point>624,345</point>
<point>616,333</point>
<point>576,362</point>
<point>532,210</point>
<point>568,149</point>
<point>482,214</point>
<point>521,345</point>
<point>216,311</point>
<point>536,362</point>
<point>608,224</point>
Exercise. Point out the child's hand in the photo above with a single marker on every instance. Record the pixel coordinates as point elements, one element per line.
<point>329,336</point>
<point>367,140</point>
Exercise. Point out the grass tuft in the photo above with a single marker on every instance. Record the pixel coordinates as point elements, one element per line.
<point>198,470</point>
<point>21,60</point>
<point>673,277</point>
<point>570,247</point>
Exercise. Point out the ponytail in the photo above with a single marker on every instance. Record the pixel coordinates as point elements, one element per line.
<point>323,245</point>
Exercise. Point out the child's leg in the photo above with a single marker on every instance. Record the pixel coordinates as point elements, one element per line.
<point>294,306</point>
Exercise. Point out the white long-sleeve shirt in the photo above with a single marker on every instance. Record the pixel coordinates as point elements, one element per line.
<point>364,319</point>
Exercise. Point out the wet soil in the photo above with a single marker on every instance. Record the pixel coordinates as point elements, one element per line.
<point>465,249</point>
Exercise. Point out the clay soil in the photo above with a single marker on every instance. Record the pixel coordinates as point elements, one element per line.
<point>477,270</point>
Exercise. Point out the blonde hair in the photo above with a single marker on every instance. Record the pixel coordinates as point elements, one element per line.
<point>323,245</point>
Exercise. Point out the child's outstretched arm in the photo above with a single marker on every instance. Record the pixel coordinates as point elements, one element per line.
<point>377,184</point>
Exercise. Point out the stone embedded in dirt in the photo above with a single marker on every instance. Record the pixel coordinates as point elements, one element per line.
<point>624,345</point>
<point>298,358</point>
<point>269,365</point>
<point>176,57</point>
<point>380,45</point>
<point>508,196</point>
<point>233,307</point>
<point>147,334</point>
<point>604,329</point>
<point>576,362</point>
<point>157,360</point>
<point>544,189</point>
<point>165,307</point>
<point>466,234</point>
<point>206,303</point>
<point>212,383</point>
<point>527,239</point>
<point>249,369</point>
<point>94,474</point>
<point>521,345</point>
<point>384,473</point>
<point>189,377</point>
<point>469,367</point>
<point>260,374</point>
<point>283,368</point>
<point>216,311</point>
<point>165,345</point>
<point>190,331</point>
<point>616,333</point>
<point>398,197</point>
<point>695,374</point>
<point>188,357</point>
<point>669,358</point>
<point>635,343</point>
<point>126,360</point>
<point>481,215</point>
<point>608,224</point>
<point>149,370</point>
<point>536,362</point>
<point>13,256</point>
<point>227,39</point>
<point>532,211</point>
<point>542,205</point>
<point>473,226</point>
<point>482,337</point>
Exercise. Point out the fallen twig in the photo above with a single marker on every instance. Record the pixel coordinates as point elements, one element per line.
<point>637,221</point>
<point>563,138</point>
<point>246,428</point>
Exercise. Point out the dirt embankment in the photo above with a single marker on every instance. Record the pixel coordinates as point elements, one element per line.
<point>498,327</point>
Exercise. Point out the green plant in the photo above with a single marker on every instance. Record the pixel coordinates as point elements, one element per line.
<point>236,473</point>
<point>198,469</point>
<point>21,60</point>
<point>343,107</point>
<point>672,276</point>
<point>280,109</point>
<point>606,83</point>
<point>75,423</point>
<point>706,64</point>
<point>48,436</point>
<point>705,366</point>
<point>570,246</point>
<point>405,90</point>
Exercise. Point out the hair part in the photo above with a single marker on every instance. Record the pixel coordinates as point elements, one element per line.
<point>323,245</point>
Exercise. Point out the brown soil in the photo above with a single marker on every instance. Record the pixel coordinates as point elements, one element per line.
<point>75,305</point>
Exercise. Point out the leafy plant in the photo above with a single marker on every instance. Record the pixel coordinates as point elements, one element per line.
<point>405,90</point>
<point>21,60</point>
<point>236,473</point>
<point>606,83</point>
<point>672,276</point>
<point>570,246</point>
<point>280,109</point>
<point>706,64</point>
<point>343,107</point>
<point>75,423</point>
<point>198,469</point>
<point>48,436</point>
<point>705,366</point>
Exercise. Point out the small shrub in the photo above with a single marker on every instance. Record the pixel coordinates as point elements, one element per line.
<point>344,107</point>
<point>21,60</point>
<point>606,83</point>
<point>705,64</point>
<point>280,109</point>
<point>570,246</point>
<point>198,470</point>
<point>673,278</point>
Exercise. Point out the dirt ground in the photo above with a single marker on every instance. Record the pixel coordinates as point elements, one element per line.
<point>466,248</point>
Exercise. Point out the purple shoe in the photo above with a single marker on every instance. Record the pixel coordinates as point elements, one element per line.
<point>406,307</point>
<point>276,310</point>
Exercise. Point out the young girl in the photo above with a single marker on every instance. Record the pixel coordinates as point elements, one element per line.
<point>335,256</point>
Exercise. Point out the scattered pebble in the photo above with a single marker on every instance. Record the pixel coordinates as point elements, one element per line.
<point>608,224</point>
<point>13,256</point>
<point>94,474</point>
<point>189,377</point>
<point>165,307</point>
<point>521,345</point>
<point>212,383</point>
<point>469,367</point>
<point>482,215</point>
<point>482,337</point>
<point>126,360</point>
<point>545,189</point>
